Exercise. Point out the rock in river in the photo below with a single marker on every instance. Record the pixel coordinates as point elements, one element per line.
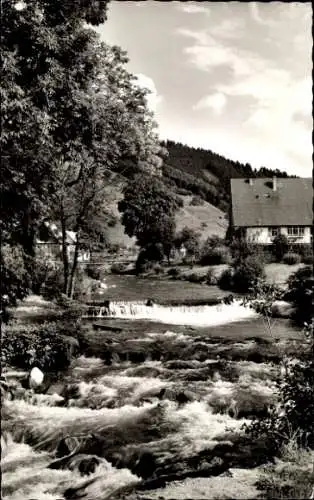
<point>36,378</point>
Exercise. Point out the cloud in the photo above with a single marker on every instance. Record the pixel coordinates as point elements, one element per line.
<point>192,8</point>
<point>256,14</point>
<point>268,85</point>
<point>153,98</point>
<point>216,101</point>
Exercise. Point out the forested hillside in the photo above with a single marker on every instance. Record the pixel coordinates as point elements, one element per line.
<point>206,174</point>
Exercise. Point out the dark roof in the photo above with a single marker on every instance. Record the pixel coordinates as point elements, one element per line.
<point>257,204</point>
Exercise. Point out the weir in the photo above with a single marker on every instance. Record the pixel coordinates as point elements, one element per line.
<point>204,315</point>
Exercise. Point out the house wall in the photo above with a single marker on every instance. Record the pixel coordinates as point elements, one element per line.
<point>261,235</point>
<point>306,238</point>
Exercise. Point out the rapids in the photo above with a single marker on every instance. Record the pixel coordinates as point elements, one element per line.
<point>146,421</point>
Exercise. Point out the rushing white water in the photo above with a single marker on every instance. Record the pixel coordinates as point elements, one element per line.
<point>178,315</point>
<point>25,475</point>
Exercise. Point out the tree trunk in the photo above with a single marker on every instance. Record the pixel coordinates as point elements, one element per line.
<point>65,259</point>
<point>70,288</point>
<point>28,233</point>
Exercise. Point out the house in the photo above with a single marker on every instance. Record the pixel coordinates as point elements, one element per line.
<point>262,208</point>
<point>49,243</point>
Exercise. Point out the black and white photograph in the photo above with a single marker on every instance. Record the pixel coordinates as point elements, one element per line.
<point>156,216</point>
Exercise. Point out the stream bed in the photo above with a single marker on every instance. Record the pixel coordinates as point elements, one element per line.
<point>154,405</point>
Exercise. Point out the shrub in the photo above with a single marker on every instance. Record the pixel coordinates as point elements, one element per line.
<point>280,246</point>
<point>15,280</point>
<point>35,345</point>
<point>241,250</point>
<point>148,257</point>
<point>41,269</point>
<point>291,258</point>
<point>158,269</point>
<point>52,288</point>
<point>113,248</point>
<point>118,268</point>
<point>211,278</point>
<point>93,272</point>
<point>289,477</point>
<point>293,417</point>
<point>306,253</point>
<point>247,274</point>
<point>191,241</point>
<point>300,292</point>
<point>196,200</point>
<point>174,272</point>
<point>215,256</point>
<point>308,259</point>
<point>195,278</point>
<point>225,282</point>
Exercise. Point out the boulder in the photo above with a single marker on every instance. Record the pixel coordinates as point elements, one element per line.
<point>36,378</point>
<point>71,391</point>
<point>181,397</point>
<point>87,465</point>
<point>57,388</point>
<point>67,446</point>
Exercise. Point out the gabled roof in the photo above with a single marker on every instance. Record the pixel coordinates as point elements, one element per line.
<point>256,203</point>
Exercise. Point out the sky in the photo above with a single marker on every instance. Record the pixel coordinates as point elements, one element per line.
<point>232,77</point>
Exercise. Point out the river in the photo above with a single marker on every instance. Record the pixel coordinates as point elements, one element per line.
<point>160,398</point>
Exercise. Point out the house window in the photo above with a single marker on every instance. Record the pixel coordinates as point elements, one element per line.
<point>295,231</point>
<point>273,231</point>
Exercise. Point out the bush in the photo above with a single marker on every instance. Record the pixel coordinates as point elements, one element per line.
<point>41,269</point>
<point>280,246</point>
<point>291,258</point>
<point>241,250</point>
<point>158,269</point>
<point>196,200</point>
<point>52,288</point>
<point>247,274</point>
<point>225,282</point>
<point>42,346</point>
<point>289,477</point>
<point>211,278</point>
<point>306,253</point>
<point>15,280</point>
<point>118,268</point>
<point>300,292</point>
<point>308,259</point>
<point>174,272</point>
<point>195,278</point>
<point>215,256</point>
<point>148,257</point>
<point>93,272</point>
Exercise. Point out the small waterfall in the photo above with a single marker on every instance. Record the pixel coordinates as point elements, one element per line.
<point>176,315</point>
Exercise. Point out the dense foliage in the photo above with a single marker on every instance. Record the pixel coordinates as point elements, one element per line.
<point>73,119</point>
<point>15,280</point>
<point>190,239</point>
<point>148,213</point>
<point>43,346</point>
<point>300,292</point>
<point>293,417</point>
<point>207,174</point>
<point>280,246</point>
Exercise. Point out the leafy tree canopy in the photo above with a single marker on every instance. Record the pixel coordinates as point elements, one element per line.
<point>72,116</point>
<point>148,210</point>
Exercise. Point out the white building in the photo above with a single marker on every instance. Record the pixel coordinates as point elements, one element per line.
<point>261,208</point>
